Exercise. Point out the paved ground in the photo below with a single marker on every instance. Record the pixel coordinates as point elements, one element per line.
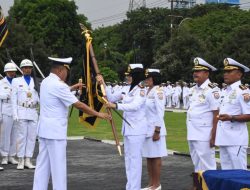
<point>97,166</point>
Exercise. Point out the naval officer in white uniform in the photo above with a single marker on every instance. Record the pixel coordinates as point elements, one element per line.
<point>202,118</point>
<point>232,133</point>
<point>133,107</point>
<point>55,99</point>
<point>154,147</point>
<point>8,129</point>
<point>25,102</point>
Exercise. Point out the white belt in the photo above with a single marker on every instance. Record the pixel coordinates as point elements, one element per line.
<point>6,101</point>
<point>25,105</point>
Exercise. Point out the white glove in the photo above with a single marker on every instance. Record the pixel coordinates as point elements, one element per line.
<point>15,118</point>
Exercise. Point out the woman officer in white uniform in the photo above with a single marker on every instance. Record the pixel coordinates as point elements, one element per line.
<point>132,103</point>
<point>155,144</point>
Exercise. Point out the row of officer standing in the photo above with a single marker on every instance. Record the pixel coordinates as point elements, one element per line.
<point>214,117</point>
<point>18,116</point>
<point>218,118</point>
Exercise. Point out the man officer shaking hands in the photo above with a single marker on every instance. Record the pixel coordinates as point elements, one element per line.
<point>55,99</point>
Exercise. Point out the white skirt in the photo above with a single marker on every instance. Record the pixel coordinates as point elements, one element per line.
<point>154,149</point>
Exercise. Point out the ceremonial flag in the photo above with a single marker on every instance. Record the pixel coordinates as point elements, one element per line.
<point>91,95</point>
<point>3,27</point>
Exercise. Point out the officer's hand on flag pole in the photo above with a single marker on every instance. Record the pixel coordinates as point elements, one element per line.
<point>110,105</point>
<point>104,116</point>
<point>100,79</point>
<point>77,86</point>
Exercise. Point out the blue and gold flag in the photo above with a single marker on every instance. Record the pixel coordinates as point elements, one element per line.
<point>3,27</point>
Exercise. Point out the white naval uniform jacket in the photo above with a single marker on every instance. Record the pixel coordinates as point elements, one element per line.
<point>155,110</point>
<point>185,92</point>
<point>24,99</point>
<point>133,107</point>
<point>177,91</point>
<point>234,101</point>
<point>168,90</point>
<point>203,101</point>
<point>5,97</point>
<point>55,99</point>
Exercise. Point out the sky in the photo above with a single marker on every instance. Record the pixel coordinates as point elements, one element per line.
<point>108,12</point>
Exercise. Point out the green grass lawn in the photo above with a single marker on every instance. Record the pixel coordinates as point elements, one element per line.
<point>175,124</point>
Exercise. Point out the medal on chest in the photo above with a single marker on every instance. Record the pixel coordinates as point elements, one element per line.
<point>201,98</point>
<point>232,95</point>
<point>29,94</point>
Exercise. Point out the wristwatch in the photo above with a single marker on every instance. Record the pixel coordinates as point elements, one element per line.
<point>157,131</point>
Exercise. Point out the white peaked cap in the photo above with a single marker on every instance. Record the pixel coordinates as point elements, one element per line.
<point>201,64</point>
<point>230,64</point>
<point>62,60</point>
<point>153,70</point>
<point>135,65</point>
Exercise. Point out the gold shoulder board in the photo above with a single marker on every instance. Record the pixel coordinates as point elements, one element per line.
<point>211,85</point>
<point>243,87</point>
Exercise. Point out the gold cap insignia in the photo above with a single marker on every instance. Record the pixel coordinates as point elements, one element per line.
<point>129,69</point>
<point>196,62</point>
<point>226,63</point>
<point>146,72</point>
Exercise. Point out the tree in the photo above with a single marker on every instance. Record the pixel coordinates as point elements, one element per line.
<point>213,36</point>
<point>175,58</point>
<point>51,25</point>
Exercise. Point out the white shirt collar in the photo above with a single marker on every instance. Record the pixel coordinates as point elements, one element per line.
<point>234,85</point>
<point>54,76</point>
<point>204,84</point>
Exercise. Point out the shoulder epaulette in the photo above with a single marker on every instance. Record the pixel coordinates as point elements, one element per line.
<point>242,87</point>
<point>211,85</point>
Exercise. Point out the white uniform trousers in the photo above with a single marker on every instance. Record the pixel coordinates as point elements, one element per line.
<point>185,102</point>
<point>176,101</point>
<point>26,138</point>
<point>133,160</point>
<point>202,155</point>
<point>51,160</point>
<point>8,136</point>
<point>233,157</point>
<point>1,124</point>
<point>169,101</point>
